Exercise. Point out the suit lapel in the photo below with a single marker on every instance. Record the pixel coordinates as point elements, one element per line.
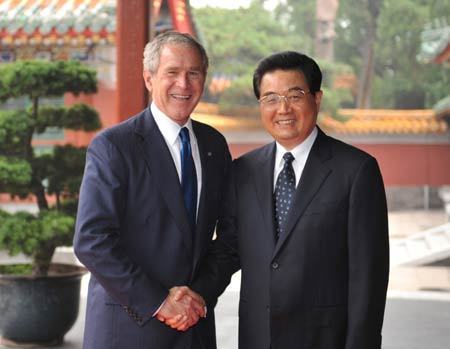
<point>161,167</point>
<point>314,174</point>
<point>263,180</point>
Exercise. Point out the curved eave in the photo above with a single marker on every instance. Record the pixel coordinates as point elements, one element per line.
<point>59,22</point>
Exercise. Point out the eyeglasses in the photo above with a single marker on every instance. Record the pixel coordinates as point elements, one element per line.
<point>296,97</point>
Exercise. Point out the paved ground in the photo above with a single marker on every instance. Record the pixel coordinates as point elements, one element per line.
<point>416,324</point>
<point>409,323</point>
<point>418,307</point>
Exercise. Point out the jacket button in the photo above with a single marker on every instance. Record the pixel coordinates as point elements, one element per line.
<point>275,265</point>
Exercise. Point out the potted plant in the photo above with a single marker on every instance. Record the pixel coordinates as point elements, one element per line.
<point>39,301</point>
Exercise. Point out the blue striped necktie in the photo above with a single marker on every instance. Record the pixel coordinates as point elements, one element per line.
<point>188,177</point>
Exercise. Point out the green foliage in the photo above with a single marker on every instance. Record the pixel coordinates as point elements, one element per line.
<point>82,117</point>
<point>333,99</point>
<point>13,171</point>
<point>353,15</point>
<point>396,70</point>
<point>16,269</point>
<point>41,78</point>
<point>14,126</point>
<point>66,170</point>
<point>239,99</point>
<point>76,117</point>
<point>69,206</point>
<point>35,236</point>
<point>58,172</point>
<point>237,39</point>
<point>330,70</point>
<point>300,18</point>
<point>399,76</point>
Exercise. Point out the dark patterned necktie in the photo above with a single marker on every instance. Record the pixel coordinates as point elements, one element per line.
<point>188,177</point>
<point>284,194</point>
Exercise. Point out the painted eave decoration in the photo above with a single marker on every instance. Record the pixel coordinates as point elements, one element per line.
<point>57,22</point>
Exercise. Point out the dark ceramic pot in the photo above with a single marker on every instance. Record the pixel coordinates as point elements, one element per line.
<point>39,310</point>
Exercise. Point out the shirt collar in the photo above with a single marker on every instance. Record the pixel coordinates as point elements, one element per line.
<point>301,149</point>
<point>169,128</point>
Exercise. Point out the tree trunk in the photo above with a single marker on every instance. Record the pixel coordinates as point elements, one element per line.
<point>42,259</point>
<point>39,190</point>
<point>40,196</point>
<point>366,76</point>
<point>363,99</point>
<point>58,200</point>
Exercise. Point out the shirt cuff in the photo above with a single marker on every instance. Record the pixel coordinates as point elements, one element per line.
<point>157,310</point>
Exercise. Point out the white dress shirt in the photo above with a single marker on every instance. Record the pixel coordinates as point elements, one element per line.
<point>171,131</point>
<point>300,153</point>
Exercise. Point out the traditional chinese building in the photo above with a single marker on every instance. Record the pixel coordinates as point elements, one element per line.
<point>435,47</point>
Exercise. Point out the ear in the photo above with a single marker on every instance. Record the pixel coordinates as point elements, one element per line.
<point>318,98</point>
<point>147,80</point>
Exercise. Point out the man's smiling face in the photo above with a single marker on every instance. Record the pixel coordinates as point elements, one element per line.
<point>177,85</point>
<point>288,123</point>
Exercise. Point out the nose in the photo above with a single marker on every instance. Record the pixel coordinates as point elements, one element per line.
<point>284,106</point>
<point>183,80</point>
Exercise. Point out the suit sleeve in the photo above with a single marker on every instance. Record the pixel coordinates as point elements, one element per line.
<point>97,240</point>
<point>368,246</point>
<point>222,259</point>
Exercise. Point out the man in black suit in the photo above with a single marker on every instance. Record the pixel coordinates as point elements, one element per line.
<point>149,203</point>
<point>306,222</point>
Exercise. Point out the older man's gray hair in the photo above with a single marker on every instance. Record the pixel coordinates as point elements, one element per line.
<point>152,51</point>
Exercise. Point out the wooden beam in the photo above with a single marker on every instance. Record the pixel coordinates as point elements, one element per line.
<point>132,33</point>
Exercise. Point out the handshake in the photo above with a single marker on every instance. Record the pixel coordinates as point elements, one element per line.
<point>182,308</point>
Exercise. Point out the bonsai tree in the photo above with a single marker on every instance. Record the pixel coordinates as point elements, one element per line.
<point>56,173</point>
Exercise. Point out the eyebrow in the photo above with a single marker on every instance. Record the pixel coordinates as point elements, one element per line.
<point>180,68</point>
<point>295,88</point>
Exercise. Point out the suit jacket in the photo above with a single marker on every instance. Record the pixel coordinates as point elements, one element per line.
<point>133,233</point>
<point>322,284</point>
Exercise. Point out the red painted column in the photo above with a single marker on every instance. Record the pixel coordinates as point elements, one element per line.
<point>180,16</point>
<point>132,33</point>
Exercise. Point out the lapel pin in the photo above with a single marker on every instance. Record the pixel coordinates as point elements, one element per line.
<point>209,153</point>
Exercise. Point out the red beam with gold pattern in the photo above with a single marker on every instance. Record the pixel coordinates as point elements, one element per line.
<point>180,16</point>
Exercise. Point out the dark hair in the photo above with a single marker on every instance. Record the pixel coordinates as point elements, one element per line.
<point>289,60</point>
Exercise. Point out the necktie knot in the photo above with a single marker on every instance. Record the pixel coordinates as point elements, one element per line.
<point>288,158</point>
<point>184,135</point>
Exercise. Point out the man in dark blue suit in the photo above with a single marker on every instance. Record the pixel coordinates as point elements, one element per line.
<point>149,203</point>
<point>306,222</point>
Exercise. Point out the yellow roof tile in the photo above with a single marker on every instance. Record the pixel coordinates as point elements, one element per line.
<point>365,121</point>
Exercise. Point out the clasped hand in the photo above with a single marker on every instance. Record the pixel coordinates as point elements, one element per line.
<point>182,308</point>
